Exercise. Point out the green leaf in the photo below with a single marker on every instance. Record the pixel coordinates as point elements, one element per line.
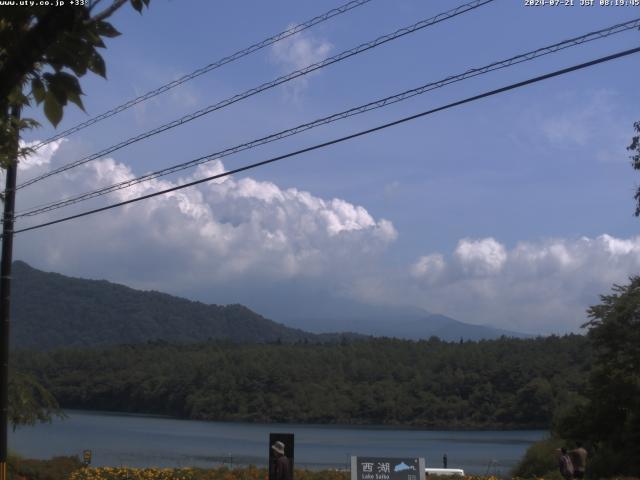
<point>79,67</point>
<point>16,97</point>
<point>96,65</point>
<point>94,39</point>
<point>75,98</point>
<point>105,29</point>
<point>56,88</point>
<point>137,5</point>
<point>37,88</point>
<point>82,55</point>
<point>68,81</point>
<point>64,53</point>
<point>52,109</point>
<point>65,87</point>
<point>27,124</point>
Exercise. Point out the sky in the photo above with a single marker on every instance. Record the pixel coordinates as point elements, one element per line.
<point>514,211</point>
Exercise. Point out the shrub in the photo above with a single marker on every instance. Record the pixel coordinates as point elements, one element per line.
<point>540,460</point>
<point>57,468</point>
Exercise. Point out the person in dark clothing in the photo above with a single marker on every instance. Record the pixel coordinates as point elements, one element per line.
<point>444,461</point>
<point>282,467</point>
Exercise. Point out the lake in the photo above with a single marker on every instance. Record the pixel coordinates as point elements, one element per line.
<point>140,441</point>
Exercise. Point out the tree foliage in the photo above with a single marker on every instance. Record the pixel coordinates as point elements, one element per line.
<point>44,51</point>
<point>540,460</point>
<point>610,419</point>
<point>505,383</point>
<point>634,147</point>
<point>29,401</point>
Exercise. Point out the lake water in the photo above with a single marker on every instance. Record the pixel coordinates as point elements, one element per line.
<point>140,441</point>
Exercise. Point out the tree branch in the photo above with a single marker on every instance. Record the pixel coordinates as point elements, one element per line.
<point>107,12</point>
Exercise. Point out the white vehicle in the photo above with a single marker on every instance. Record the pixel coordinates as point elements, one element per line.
<point>457,472</point>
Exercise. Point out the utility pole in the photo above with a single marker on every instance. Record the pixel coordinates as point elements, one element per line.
<point>5,293</point>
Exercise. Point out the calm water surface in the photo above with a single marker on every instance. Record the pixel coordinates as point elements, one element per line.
<point>142,441</point>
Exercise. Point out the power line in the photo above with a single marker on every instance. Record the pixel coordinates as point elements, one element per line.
<point>207,68</point>
<point>524,57</point>
<point>512,86</point>
<point>266,86</point>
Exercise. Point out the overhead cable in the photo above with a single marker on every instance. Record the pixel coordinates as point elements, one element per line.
<point>512,86</point>
<point>523,57</point>
<point>207,68</point>
<point>266,86</point>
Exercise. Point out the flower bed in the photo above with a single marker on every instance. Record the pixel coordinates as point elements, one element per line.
<point>249,473</point>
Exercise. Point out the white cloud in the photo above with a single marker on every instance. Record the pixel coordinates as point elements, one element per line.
<point>40,157</point>
<point>299,51</point>
<point>222,232</point>
<point>480,257</point>
<point>543,286</point>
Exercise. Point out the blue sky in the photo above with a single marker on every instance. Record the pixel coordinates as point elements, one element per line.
<point>515,210</point>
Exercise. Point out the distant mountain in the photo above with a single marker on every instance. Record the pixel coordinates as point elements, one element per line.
<point>50,310</point>
<point>400,322</point>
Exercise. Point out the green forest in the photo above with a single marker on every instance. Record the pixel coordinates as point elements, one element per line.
<point>504,383</point>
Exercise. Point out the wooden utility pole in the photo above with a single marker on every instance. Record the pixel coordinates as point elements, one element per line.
<point>5,294</point>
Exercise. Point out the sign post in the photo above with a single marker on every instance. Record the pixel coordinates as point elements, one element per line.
<point>387,468</point>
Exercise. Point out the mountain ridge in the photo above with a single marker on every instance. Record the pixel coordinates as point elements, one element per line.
<point>404,323</point>
<point>51,310</point>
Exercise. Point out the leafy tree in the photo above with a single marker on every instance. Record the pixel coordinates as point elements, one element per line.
<point>29,401</point>
<point>610,420</point>
<point>44,50</point>
<point>535,400</point>
<point>635,160</point>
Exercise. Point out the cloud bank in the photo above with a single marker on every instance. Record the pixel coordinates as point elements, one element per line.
<point>542,286</point>
<point>222,232</point>
<point>254,242</point>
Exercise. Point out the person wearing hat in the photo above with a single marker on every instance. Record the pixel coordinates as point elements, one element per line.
<point>282,467</point>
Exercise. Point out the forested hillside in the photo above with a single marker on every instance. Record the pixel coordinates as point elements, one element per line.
<point>504,383</point>
<point>52,310</point>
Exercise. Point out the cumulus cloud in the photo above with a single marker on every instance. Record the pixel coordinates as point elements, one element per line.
<point>480,257</point>
<point>39,158</point>
<point>542,286</point>
<point>223,232</point>
<point>299,51</point>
